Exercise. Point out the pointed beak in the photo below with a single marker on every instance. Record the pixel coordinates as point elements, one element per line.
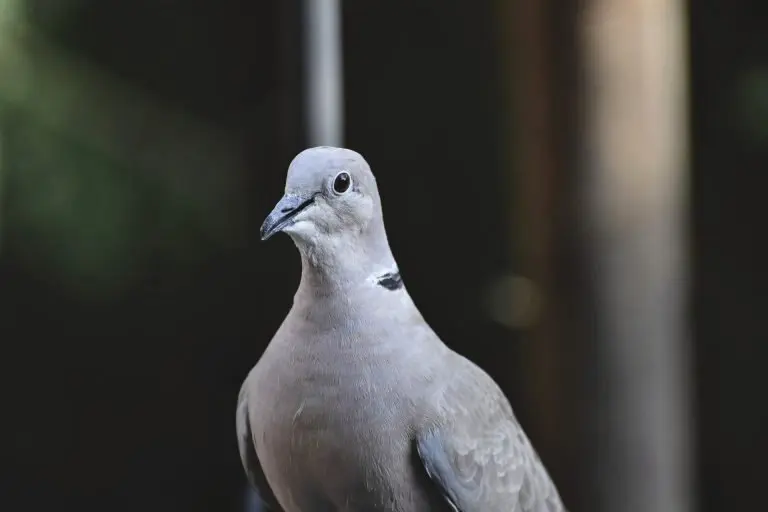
<point>283,213</point>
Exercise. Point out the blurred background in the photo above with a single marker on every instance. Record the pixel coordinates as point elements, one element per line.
<point>611,276</point>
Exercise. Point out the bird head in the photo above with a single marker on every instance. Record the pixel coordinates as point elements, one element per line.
<point>332,211</point>
<point>330,194</point>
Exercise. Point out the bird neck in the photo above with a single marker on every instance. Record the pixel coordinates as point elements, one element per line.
<point>342,263</point>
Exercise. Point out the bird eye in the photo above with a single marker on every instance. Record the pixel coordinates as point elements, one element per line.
<point>342,182</point>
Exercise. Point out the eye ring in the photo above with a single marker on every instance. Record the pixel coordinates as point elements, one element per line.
<point>342,183</point>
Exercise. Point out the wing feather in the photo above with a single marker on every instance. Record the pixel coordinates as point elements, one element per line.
<point>248,455</point>
<point>479,455</point>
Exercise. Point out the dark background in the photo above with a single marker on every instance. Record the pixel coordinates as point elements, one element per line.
<point>136,296</point>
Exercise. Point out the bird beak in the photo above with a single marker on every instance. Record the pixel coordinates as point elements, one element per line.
<point>283,213</point>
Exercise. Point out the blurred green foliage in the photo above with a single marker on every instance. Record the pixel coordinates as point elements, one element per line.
<point>87,220</point>
<point>99,183</point>
<point>72,211</point>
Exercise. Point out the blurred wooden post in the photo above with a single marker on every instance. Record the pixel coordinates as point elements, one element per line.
<point>634,199</point>
<point>534,161</point>
<point>536,43</point>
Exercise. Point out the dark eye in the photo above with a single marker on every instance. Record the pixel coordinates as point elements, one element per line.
<point>342,182</point>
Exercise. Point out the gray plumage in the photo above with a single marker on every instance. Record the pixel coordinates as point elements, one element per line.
<point>356,404</point>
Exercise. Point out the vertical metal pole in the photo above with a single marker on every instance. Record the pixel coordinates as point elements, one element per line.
<point>635,196</point>
<point>323,65</point>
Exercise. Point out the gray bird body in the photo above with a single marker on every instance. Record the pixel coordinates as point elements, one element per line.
<point>356,405</point>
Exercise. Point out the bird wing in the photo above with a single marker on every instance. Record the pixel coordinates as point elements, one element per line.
<point>478,455</point>
<point>248,455</point>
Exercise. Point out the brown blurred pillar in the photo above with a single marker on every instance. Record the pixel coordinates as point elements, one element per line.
<point>597,99</point>
<point>537,59</point>
<point>634,187</point>
<point>533,161</point>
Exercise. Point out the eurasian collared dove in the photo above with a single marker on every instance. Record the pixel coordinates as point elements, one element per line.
<point>356,405</point>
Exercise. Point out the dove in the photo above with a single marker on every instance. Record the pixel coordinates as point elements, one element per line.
<point>356,405</point>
